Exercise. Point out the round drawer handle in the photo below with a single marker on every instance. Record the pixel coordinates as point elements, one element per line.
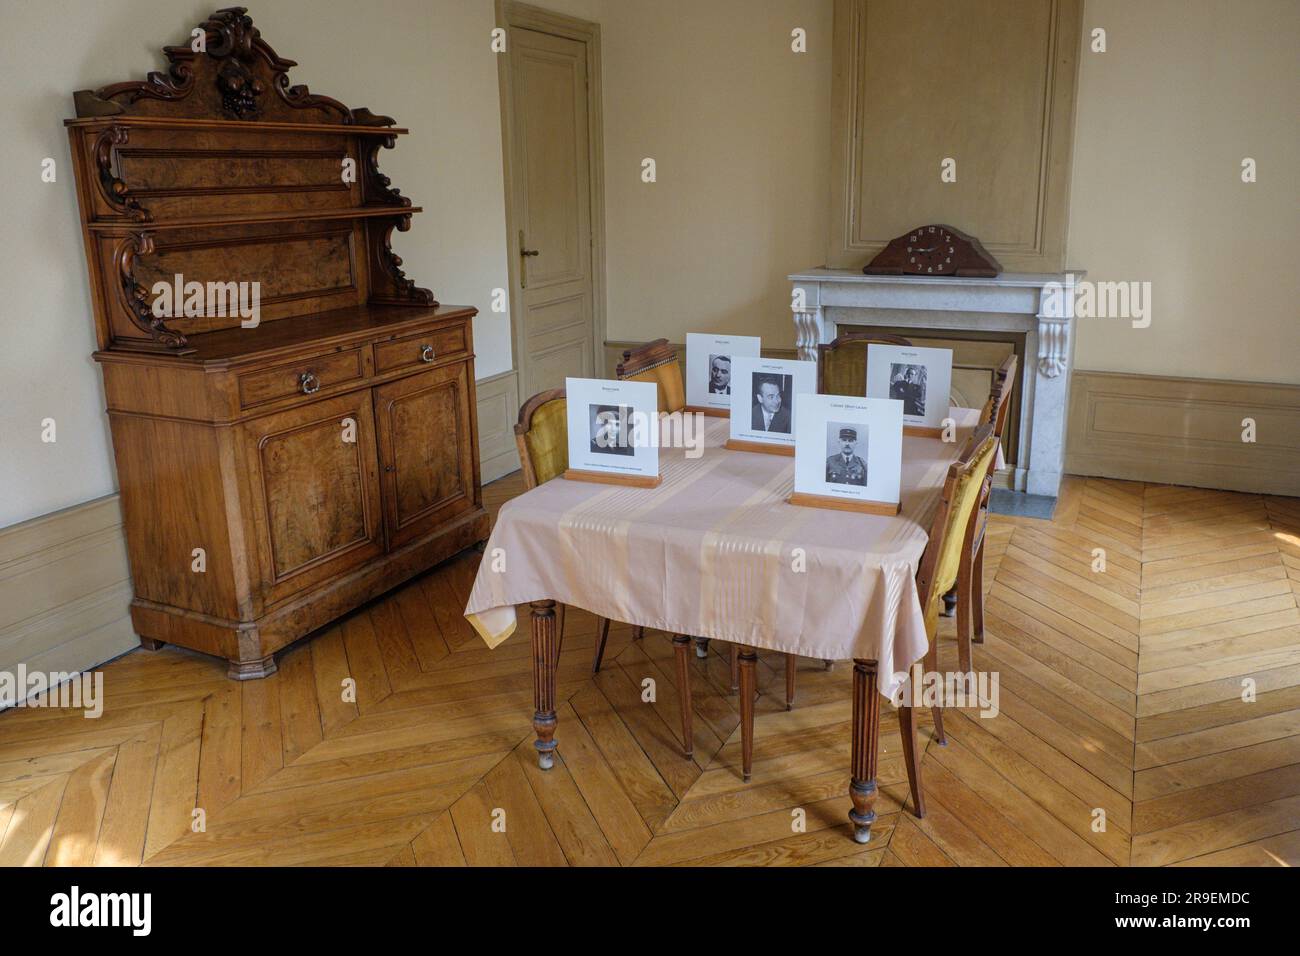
<point>309,382</point>
<point>426,353</point>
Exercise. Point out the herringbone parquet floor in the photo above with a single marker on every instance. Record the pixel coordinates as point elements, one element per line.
<point>1123,736</point>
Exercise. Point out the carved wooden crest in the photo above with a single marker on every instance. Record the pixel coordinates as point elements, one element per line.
<point>226,71</point>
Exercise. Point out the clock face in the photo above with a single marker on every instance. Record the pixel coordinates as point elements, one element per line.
<point>930,251</point>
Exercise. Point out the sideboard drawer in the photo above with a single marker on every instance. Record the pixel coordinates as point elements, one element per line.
<point>303,377</point>
<point>420,349</point>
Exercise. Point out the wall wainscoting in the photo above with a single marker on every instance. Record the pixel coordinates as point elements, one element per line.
<point>498,410</point>
<point>65,589</point>
<point>65,585</point>
<point>1184,431</point>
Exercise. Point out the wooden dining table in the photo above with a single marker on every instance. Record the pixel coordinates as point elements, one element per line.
<point>715,551</point>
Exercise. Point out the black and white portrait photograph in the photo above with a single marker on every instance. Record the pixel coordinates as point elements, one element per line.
<point>907,383</point>
<point>609,427</point>
<point>844,464</point>
<point>719,374</point>
<point>710,365</point>
<point>849,448</point>
<point>771,411</point>
<point>611,432</point>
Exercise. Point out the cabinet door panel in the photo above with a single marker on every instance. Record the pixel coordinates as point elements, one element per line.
<point>315,490</point>
<point>426,440</point>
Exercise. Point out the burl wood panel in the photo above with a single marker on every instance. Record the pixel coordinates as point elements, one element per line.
<point>243,171</point>
<point>426,444</point>
<point>316,492</point>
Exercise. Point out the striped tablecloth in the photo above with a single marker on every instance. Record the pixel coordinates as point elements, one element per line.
<point>716,552</point>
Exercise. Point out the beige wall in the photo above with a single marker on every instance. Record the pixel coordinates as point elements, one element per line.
<point>1186,89</point>
<point>425,62</point>
<point>739,127</point>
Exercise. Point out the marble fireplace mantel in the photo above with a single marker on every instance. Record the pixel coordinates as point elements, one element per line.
<point>1037,304</point>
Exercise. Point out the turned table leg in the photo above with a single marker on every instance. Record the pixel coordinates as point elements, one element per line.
<point>545,646</point>
<point>702,648</point>
<point>866,737</point>
<point>747,658</point>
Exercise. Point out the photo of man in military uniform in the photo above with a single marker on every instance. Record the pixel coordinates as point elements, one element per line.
<point>846,468</point>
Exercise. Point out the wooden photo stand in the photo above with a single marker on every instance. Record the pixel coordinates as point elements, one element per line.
<point>710,412</point>
<point>921,431</point>
<point>806,500</point>
<point>762,447</point>
<point>601,478</point>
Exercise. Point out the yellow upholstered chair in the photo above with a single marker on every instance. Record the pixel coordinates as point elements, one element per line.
<point>656,362</point>
<point>842,365</point>
<point>970,616</point>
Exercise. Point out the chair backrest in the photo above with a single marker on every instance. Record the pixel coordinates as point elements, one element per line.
<point>842,365</point>
<point>962,491</point>
<point>542,434</point>
<point>656,362</point>
<point>998,406</point>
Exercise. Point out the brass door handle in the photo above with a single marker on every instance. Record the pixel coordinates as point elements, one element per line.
<point>530,252</point>
<point>309,382</point>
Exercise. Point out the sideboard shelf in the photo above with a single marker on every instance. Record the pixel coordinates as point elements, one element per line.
<point>118,227</point>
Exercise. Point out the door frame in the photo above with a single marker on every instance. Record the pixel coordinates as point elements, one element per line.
<point>512,13</point>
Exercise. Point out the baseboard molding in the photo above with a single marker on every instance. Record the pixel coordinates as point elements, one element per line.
<point>65,589</point>
<point>1184,431</point>
<point>498,410</point>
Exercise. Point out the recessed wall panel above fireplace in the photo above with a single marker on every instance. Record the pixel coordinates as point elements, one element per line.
<point>961,113</point>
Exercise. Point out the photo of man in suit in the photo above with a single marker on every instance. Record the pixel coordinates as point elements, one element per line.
<point>845,467</point>
<point>609,430</point>
<point>907,383</point>
<point>771,413</point>
<point>719,374</point>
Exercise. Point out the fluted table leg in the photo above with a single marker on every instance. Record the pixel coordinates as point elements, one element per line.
<point>545,652</point>
<point>866,738</point>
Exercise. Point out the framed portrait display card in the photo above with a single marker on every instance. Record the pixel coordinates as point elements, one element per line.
<point>708,369</point>
<point>763,402</point>
<point>849,453</point>
<point>613,431</point>
<point>920,378</point>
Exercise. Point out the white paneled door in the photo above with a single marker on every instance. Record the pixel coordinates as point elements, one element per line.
<point>551,193</point>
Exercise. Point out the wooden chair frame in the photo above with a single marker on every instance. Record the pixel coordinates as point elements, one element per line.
<point>970,626</point>
<point>643,358</point>
<point>870,338</point>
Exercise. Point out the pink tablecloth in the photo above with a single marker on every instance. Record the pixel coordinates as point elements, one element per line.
<point>716,552</point>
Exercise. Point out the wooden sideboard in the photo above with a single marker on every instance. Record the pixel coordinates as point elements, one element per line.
<point>278,467</point>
